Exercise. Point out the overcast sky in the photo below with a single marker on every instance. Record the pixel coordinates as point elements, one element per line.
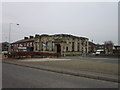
<point>97,21</point>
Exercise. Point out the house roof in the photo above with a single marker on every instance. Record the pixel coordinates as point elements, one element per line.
<point>5,43</point>
<point>92,43</point>
<point>24,40</point>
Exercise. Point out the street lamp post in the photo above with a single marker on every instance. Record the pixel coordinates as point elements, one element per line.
<point>10,24</point>
<point>10,29</point>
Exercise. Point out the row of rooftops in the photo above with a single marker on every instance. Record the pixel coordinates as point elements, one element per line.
<point>31,38</point>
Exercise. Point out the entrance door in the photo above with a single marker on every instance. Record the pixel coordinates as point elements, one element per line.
<point>58,48</point>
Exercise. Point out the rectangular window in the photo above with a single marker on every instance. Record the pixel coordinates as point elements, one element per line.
<point>36,45</point>
<point>53,46</point>
<point>67,49</point>
<point>78,46</point>
<point>42,46</point>
<point>30,44</point>
<point>46,46</point>
<point>86,43</point>
<point>72,46</point>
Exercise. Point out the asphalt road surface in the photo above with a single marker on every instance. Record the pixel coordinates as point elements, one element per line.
<point>94,58</point>
<point>23,77</point>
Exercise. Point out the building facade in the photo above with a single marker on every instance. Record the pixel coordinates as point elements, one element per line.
<point>106,48</point>
<point>61,43</point>
<point>92,47</point>
<point>26,44</point>
<point>116,50</point>
<point>4,46</point>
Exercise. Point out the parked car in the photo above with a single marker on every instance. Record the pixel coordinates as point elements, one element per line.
<point>98,52</point>
<point>5,53</point>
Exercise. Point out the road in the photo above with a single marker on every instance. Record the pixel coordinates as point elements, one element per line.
<point>94,58</point>
<point>23,77</point>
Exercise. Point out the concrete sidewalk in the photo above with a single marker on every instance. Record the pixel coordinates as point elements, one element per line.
<point>62,67</point>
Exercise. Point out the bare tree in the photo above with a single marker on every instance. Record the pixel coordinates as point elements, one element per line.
<point>108,47</point>
<point>108,43</point>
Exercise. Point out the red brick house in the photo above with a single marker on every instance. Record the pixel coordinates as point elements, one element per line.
<point>4,46</point>
<point>92,47</point>
<point>26,44</point>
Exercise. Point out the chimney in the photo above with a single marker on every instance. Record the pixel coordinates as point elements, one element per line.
<point>25,38</point>
<point>31,37</point>
<point>36,35</point>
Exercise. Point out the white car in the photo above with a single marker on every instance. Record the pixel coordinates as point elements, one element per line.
<point>98,52</point>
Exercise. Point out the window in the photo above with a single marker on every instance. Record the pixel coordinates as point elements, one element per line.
<point>52,46</point>
<point>20,45</point>
<point>86,43</point>
<point>78,46</point>
<point>72,46</point>
<point>66,48</point>
<point>42,46</point>
<point>46,46</point>
<point>67,42</point>
<point>31,44</point>
<point>36,45</point>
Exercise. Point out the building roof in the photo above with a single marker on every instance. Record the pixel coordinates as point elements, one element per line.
<point>24,40</point>
<point>64,35</point>
<point>4,43</point>
<point>91,43</point>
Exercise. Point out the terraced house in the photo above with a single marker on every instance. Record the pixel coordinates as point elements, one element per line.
<point>26,44</point>
<point>63,44</point>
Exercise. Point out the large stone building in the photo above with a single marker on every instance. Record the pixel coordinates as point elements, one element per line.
<point>59,43</point>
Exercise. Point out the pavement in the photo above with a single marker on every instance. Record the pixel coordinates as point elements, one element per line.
<point>71,67</point>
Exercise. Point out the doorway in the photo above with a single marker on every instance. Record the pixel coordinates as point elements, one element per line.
<point>58,48</point>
